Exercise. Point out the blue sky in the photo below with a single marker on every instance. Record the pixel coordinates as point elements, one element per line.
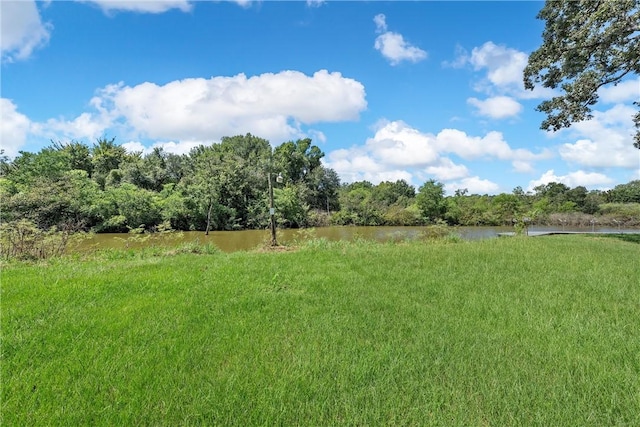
<point>388,90</point>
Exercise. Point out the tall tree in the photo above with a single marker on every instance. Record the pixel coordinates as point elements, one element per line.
<point>323,185</point>
<point>106,157</point>
<point>586,45</point>
<point>298,159</point>
<point>430,199</point>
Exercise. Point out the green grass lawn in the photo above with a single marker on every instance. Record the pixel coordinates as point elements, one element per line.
<point>515,331</point>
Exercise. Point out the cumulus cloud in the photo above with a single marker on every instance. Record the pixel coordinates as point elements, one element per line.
<point>398,144</point>
<point>142,6</point>
<point>604,141</point>
<point>181,147</point>
<point>474,184</point>
<point>21,30</point>
<point>492,145</point>
<point>14,127</point>
<point>504,68</point>
<point>626,91</point>
<point>522,166</point>
<point>398,149</point>
<point>446,170</point>
<point>504,65</point>
<point>393,46</point>
<point>86,125</point>
<point>355,164</point>
<point>274,106</point>
<point>497,107</point>
<point>573,179</point>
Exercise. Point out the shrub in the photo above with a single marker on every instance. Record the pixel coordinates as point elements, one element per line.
<point>22,240</point>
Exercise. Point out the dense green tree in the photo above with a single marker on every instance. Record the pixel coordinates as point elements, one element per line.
<point>5,164</point>
<point>174,208</point>
<point>358,206</point>
<point>577,196</point>
<point>66,201</point>
<point>555,195</point>
<point>245,162</point>
<point>106,156</point>
<point>150,171</point>
<point>392,193</point>
<point>586,45</point>
<point>592,201</point>
<point>507,207</point>
<point>292,211</point>
<point>79,155</point>
<point>296,160</point>
<point>203,184</point>
<point>323,185</point>
<point>430,199</point>
<point>50,163</point>
<point>625,193</point>
<point>224,186</point>
<point>127,207</point>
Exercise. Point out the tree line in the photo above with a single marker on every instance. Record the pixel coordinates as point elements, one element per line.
<point>224,186</point>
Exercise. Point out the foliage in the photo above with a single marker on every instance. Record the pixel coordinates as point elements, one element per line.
<point>624,193</point>
<point>23,240</point>
<point>627,213</point>
<point>586,45</point>
<point>224,186</point>
<point>292,211</point>
<point>430,200</point>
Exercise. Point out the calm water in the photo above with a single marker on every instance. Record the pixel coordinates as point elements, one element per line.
<point>230,241</point>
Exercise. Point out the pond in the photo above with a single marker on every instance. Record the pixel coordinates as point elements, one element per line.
<point>231,241</point>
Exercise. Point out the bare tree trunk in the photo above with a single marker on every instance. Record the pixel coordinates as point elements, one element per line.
<point>206,233</point>
<point>274,242</point>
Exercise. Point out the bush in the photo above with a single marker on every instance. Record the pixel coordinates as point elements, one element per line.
<point>22,240</point>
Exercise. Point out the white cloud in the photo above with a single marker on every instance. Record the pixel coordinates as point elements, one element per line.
<point>86,125</point>
<point>134,147</point>
<point>396,148</point>
<point>460,60</point>
<point>400,145</point>
<point>491,145</point>
<point>355,165</point>
<point>381,23</point>
<point>628,90</point>
<point>317,135</point>
<point>244,3</point>
<point>604,141</point>
<point>182,147</point>
<point>315,3</point>
<point>142,6</point>
<point>274,106</point>
<point>21,30</point>
<point>497,107</point>
<point>474,185</point>
<point>522,166</point>
<point>14,128</point>
<point>504,67</point>
<point>446,170</point>
<point>393,45</point>
<point>573,179</point>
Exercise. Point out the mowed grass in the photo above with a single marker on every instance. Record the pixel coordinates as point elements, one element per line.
<point>515,331</point>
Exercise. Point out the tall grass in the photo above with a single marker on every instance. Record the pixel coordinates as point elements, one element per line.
<point>538,331</point>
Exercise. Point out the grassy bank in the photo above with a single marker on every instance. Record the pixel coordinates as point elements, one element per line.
<point>538,331</point>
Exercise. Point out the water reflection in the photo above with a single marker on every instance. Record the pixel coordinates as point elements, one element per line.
<point>231,241</point>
